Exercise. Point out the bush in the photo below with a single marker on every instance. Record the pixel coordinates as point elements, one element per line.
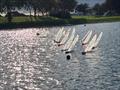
<point>60,14</point>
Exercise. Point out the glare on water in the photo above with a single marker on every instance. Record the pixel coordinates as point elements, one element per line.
<point>31,61</point>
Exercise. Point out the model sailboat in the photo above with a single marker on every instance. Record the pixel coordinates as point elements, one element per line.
<point>90,45</point>
<point>59,35</point>
<point>70,49</point>
<point>65,38</point>
<point>68,43</point>
<point>86,38</point>
<point>98,40</point>
<point>93,43</point>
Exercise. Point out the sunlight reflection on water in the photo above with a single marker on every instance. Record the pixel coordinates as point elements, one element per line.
<point>33,62</point>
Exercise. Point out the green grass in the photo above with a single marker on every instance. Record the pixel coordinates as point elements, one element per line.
<point>89,19</point>
<point>95,19</point>
<point>27,19</point>
<point>22,22</point>
<point>2,20</point>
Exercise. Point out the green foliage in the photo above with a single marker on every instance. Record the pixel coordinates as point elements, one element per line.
<point>61,14</point>
<point>67,4</point>
<point>82,8</point>
<point>9,5</point>
<point>99,9</point>
<point>113,5</point>
<point>38,6</point>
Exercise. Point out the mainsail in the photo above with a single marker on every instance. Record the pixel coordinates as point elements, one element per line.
<point>91,44</point>
<point>73,43</point>
<point>65,37</point>
<point>59,35</point>
<point>86,40</point>
<point>85,36</point>
<point>98,39</point>
<point>68,43</point>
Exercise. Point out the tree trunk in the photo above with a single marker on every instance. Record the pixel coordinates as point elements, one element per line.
<point>9,16</point>
<point>30,14</point>
<point>42,13</point>
<point>35,12</point>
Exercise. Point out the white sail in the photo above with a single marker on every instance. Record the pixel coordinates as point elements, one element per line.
<point>98,39</point>
<point>62,36</point>
<point>87,38</point>
<point>68,43</point>
<point>91,43</point>
<point>73,43</point>
<point>63,33</point>
<point>65,37</point>
<point>59,35</point>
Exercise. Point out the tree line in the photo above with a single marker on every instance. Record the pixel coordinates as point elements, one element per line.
<point>36,6</point>
<point>46,6</point>
<point>112,6</point>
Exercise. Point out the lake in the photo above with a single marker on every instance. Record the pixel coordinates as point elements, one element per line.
<point>33,62</point>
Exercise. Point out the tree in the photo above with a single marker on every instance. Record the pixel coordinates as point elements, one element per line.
<point>37,6</point>
<point>67,4</point>
<point>113,5</point>
<point>46,5</point>
<point>1,6</point>
<point>34,5</point>
<point>82,8</point>
<point>99,9</point>
<point>7,6</point>
<point>41,6</point>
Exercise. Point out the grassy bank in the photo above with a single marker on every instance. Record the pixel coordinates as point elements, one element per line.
<point>26,22</point>
<point>98,19</point>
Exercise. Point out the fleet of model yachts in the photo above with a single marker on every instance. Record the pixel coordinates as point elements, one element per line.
<point>67,39</point>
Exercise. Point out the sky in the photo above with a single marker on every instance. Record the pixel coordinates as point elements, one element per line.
<point>91,2</point>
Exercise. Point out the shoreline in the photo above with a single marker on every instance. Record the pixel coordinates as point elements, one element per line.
<point>53,22</point>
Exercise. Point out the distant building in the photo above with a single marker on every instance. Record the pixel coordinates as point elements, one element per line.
<point>89,12</point>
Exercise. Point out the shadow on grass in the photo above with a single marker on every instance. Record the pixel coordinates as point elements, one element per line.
<point>42,22</point>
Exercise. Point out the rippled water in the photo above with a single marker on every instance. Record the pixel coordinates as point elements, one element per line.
<point>31,62</point>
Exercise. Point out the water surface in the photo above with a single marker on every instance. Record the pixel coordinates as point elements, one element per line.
<point>32,62</point>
